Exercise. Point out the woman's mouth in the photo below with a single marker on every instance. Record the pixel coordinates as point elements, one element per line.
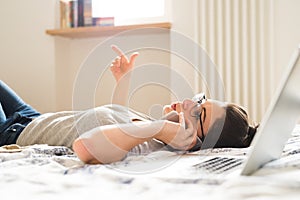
<point>173,106</point>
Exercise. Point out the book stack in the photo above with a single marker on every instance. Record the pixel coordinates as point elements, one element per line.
<point>103,21</point>
<point>78,13</point>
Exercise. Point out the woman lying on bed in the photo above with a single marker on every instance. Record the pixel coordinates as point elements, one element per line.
<point>109,133</point>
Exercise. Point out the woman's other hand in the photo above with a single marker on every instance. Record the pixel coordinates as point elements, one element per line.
<point>181,135</point>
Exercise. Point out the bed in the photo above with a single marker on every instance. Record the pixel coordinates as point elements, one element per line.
<point>52,172</point>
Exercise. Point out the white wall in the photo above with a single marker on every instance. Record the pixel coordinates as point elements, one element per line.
<point>27,53</point>
<point>71,55</point>
<point>184,30</point>
<point>286,32</point>
<point>42,68</point>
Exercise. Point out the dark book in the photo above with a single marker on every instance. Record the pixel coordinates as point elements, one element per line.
<point>80,19</point>
<point>73,15</point>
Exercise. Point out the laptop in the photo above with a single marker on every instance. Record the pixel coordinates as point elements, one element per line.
<point>279,121</point>
<point>274,131</point>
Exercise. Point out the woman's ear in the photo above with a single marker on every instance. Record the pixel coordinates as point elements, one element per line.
<point>251,133</point>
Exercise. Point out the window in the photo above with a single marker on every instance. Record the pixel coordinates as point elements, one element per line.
<point>131,11</point>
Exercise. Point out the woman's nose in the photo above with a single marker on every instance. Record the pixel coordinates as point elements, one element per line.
<point>187,103</point>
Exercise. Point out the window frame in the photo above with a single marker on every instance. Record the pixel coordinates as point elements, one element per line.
<point>145,20</point>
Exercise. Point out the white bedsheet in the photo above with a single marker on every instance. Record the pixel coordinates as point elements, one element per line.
<point>44,172</point>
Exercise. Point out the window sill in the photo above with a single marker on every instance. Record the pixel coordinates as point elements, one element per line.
<point>100,31</point>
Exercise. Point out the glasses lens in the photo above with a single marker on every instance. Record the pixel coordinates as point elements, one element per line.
<point>199,98</point>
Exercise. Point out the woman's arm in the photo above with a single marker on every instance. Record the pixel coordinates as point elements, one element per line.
<point>121,69</point>
<point>111,143</point>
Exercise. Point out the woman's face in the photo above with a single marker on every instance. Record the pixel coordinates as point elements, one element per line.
<point>210,111</point>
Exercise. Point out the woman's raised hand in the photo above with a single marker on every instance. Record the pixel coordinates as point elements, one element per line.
<point>121,65</point>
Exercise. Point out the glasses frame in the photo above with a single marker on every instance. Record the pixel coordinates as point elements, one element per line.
<point>200,99</point>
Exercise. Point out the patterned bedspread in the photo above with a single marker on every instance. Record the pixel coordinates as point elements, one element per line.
<point>54,172</point>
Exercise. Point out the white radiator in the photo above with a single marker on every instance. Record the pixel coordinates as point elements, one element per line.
<point>237,34</point>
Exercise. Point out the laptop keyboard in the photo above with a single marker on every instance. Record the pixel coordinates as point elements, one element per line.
<point>219,165</point>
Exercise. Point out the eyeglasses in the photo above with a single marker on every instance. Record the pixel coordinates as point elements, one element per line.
<point>200,99</point>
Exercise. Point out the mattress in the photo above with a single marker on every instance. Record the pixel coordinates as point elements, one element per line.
<point>51,172</point>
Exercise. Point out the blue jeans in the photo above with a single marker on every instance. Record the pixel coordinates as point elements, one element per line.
<point>15,115</point>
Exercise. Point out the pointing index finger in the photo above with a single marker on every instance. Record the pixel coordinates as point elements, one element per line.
<point>117,50</point>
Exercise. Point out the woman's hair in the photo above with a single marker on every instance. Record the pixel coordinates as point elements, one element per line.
<point>236,129</point>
